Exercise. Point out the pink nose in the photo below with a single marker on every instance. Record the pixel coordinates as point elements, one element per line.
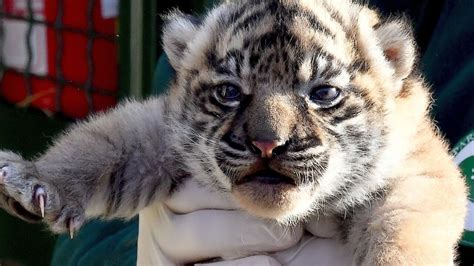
<point>267,147</point>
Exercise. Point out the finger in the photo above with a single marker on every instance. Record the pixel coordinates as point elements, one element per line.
<point>322,226</point>
<point>315,251</point>
<point>259,260</point>
<point>227,234</point>
<point>193,196</point>
<point>148,250</point>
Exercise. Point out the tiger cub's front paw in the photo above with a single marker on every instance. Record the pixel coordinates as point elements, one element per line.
<point>23,195</point>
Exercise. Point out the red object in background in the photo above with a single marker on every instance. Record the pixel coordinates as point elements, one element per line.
<point>74,62</point>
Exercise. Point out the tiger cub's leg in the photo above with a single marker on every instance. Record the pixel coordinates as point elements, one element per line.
<point>417,223</point>
<point>109,167</point>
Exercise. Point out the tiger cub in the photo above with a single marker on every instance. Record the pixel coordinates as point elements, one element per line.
<point>294,108</point>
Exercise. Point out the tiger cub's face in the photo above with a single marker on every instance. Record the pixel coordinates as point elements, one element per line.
<point>285,104</point>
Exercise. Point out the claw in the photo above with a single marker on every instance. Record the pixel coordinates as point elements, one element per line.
<point>41,204</point>
<point>71,228</point>
<point>40,195</point>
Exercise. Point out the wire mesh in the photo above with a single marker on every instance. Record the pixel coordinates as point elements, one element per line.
<point>29,57</point>
<point>87,86</point>
<point>58,27</point>
<point>90,60</point>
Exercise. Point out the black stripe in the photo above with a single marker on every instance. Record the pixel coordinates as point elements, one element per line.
<point>254,59</point>
<point>116,183</point>
<point>211,113</point>
<point>299,145</point>
<point>331,63</point>
<point>212,60</point>
<point>227,163</point>
<point>236,13</point>
<point>262,9</point>
<point>223,69</point>
<point>249,21</point>
<point>238,57</point>
<point>336,16</point>
<point>200,126</point>
<point>332,71</point>
<point>212,134</point>
<point>306,157</point>
<point>231,154</point>
<point>213,129</point>
<point>348,112</point>
<point>313,21</point>
<point>359,65</point>
<point>178,179</point>
<point>221,163</point>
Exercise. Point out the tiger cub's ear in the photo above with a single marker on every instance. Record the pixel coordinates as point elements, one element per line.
<point>398,45</point>
<point>178,31</point>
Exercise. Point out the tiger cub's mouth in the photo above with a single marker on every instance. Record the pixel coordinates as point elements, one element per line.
<point>270,194</point>
<point>267,177</point>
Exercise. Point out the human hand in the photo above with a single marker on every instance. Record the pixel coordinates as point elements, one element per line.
<point>196,225</point>
<point>318,246</point>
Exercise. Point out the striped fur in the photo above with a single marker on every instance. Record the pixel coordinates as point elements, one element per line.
<point>276,52</point>
<point>373,160</point>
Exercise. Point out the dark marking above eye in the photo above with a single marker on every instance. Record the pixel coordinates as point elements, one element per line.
<point>221,69</point>
<point>253,60</point>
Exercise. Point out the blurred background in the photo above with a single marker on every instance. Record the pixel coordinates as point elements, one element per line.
<point>61,60</point>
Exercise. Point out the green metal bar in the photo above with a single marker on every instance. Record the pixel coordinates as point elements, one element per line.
<point>138,47</point>
<point>124,49</point>
<point>150,43</point>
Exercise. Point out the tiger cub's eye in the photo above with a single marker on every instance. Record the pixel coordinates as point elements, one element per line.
<point>228,94</point>
<point>325,95</point>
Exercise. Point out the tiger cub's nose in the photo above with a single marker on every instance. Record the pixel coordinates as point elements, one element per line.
<point>268,148</point>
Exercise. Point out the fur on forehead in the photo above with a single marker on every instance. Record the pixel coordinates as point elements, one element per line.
<point>387,46</point>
